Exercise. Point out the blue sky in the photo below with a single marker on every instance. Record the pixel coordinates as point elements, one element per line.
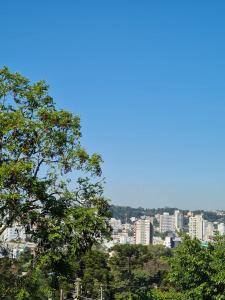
<point>148,80</point>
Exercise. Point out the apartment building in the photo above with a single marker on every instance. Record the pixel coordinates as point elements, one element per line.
<point>166,222</point>
<point>143,232</point>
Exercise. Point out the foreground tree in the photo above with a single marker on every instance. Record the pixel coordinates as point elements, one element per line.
<point>192,260</point>
<point>135,269</point>
<point>39,151</point>
<point>13,285</point>
<point>197,271</point>
<point>94,274</point>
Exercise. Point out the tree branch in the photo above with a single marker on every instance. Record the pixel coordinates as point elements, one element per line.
<point>38,167</point>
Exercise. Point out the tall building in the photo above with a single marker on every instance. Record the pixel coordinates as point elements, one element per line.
<point>221,228</point>
<point>115,224</point>
<point>208,230</point>
<point>197,227</point>
<point>178,220</point>
<point>166,222</point>
<point>13,234</point>
<point>143,232</point>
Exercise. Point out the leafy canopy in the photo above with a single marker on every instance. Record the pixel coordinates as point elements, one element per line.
<point>40,151</point>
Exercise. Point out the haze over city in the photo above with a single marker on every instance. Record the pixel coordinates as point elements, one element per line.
<point>148,83</point>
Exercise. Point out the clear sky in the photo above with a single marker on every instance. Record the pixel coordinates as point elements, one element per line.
<point>148,80</point>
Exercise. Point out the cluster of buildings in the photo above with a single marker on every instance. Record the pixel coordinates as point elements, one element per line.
<point>142,231</point>
<point>164,229</point>
<point>170,223</point>
<point>161,229</point>
<point>16,240</point>
<point>203,229</point>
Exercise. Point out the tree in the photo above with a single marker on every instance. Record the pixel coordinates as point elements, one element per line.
<point>40,151</point>
<point>168,295</point>
<point>197,272</point>
<point>190,269</point>
<point>217,276</point>
<point>130,279</point>
<point>14,285</point>
<point>94,274</point>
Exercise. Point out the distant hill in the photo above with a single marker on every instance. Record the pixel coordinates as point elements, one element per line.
<point>124,213</point>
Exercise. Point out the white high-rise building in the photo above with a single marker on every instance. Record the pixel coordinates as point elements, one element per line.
<point>166,222</point>
<point>221,228</point>
<point>197,227</point>
<point>208,230</point>
<point>143,232</point>
<point>115,224</point>
<point>13,234</point>
<point>178,220</point>
<point>200,228</point>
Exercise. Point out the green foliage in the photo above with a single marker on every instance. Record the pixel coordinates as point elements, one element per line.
<point>17,281</point>
<point>40,151</point>
<point>126,212</point>
<point>8,278</point>
<point>192,261</point>
<point>135,269</point>
<point>217,267</point>
<point>168,295</point>
<point>197,272</point>
<point>129,272</point>
<point>94,272</point>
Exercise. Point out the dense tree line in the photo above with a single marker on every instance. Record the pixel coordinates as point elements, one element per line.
<point>126,272</point>
<point>191,271</point>
<point>124,213</point>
